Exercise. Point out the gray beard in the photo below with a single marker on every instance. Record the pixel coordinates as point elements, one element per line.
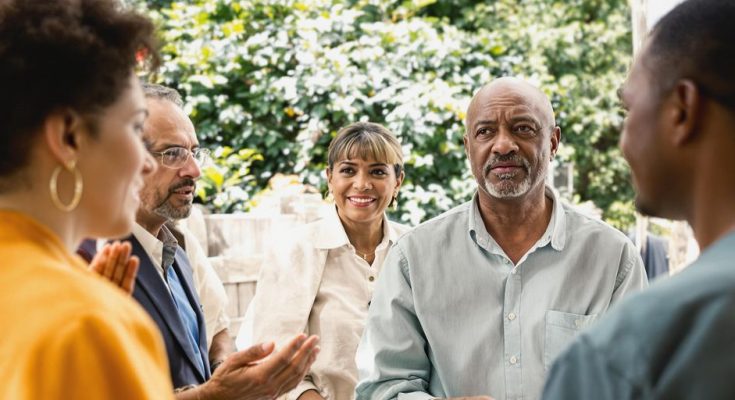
<point>165,210</point>
<point>506,188</point>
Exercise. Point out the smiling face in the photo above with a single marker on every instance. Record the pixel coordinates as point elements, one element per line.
<point>510,138</point>
<point>363,189</point>
<point>113,164</point>
<point>169,192</point>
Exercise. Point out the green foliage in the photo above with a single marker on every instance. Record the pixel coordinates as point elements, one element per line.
<point>282,76</point>
<point>226,181</point>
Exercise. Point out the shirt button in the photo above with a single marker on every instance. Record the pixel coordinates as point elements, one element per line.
<point>513,360</point>
<point>371,278</point>
<point>511,316</point>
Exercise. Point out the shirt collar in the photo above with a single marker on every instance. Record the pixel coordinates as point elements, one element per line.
<point>555,231</point>
<point>152,245</point>
<point>335,236</point>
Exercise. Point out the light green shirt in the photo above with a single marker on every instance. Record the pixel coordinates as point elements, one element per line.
<point>672,341</point>
<point>452,316</point>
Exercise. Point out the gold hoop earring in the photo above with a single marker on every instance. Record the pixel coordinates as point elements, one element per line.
<point>394,202</point>
<point>78,186</point>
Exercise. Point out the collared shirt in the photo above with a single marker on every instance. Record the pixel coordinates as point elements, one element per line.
<point>340,309</point>
<point>209,287</point>
<point>153,246</point>
<point>453,316</point>
<point>314,282</point>
<point>672,341</point>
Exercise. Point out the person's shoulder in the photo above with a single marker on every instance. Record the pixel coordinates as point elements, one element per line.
<point>69,296</point>
<point>93,295</point>
<point>677,318</point>
<point>583,225</point>
<point>645,319</point>
<point>302,239</point>
<point>455,218</point>
<point>311,229</point>
<point>398,228</point>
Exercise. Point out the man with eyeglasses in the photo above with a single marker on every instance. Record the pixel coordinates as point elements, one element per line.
<point>165,284</point>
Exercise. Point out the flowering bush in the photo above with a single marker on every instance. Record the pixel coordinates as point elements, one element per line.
<point>282,76</point>
<point>225,180</point>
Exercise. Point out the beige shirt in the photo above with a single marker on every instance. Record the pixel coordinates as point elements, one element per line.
<point>317,284</point>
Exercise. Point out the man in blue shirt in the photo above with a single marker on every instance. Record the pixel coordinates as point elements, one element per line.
<point>164,285</point>
<point>675,340</point>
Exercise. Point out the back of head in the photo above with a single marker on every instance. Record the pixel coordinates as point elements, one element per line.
<point>58,54</point>
<point>696,41</point>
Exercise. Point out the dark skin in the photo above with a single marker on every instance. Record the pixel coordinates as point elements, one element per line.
<point>244,376</point>
<point>510,119</point>
<point>688,135</point>
<point>222,346</point>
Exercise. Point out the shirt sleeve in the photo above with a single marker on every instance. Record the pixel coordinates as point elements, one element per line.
<point>391,358</point>
<point>98,357</point>
<point>302,387</point>
<point>582,373</point>
<point>209,287</point>
<point>631,273</point>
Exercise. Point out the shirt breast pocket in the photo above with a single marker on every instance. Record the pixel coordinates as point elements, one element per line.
<point>561,328</point>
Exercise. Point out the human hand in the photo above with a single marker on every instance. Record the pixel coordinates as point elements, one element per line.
<point>240,376</point>
<point>115,263</point>
<point>310,394</point>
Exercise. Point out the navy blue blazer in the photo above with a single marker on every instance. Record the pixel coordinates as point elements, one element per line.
<point>151,292</point>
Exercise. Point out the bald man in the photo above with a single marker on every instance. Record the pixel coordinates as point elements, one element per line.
<point>479,300</point>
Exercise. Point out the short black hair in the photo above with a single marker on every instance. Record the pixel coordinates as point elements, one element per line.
<point>696,41</point>
<point>56,54</point>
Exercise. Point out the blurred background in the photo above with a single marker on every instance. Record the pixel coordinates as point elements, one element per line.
<point>268,83</point>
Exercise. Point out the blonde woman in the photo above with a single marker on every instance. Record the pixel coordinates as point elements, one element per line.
<point>320,280</point>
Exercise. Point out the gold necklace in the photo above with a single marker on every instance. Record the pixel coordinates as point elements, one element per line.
<point>364,255</point>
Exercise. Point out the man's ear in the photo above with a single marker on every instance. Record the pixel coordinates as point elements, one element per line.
<point>62,134</point>
<point>555,140</point>
<point>465,140</point>
<point>684,108</point>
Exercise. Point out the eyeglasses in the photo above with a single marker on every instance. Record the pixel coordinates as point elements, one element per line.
<point>176,157</point>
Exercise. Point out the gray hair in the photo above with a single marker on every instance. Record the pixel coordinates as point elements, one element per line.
<point>160,92</point>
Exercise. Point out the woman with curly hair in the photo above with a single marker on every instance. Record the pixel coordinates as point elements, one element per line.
<point>71,164</point>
